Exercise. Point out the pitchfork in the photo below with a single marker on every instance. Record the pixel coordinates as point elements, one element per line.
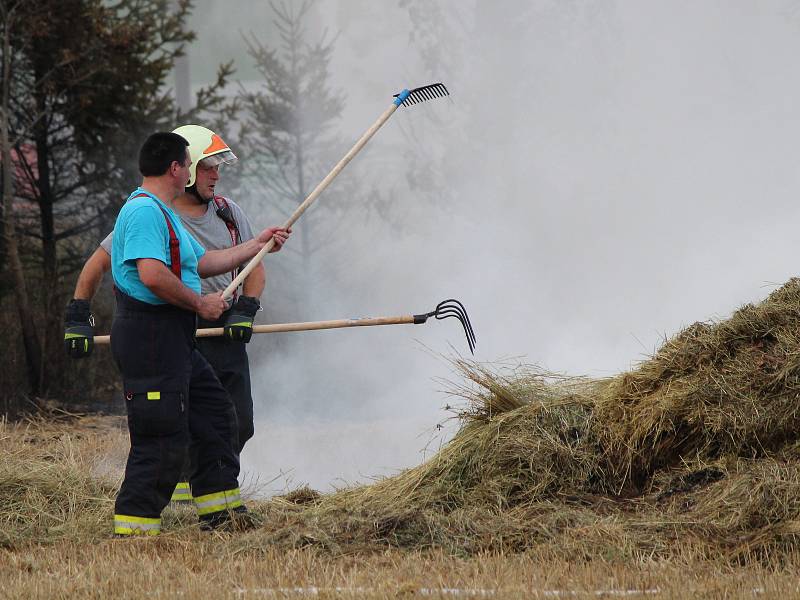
<point>443,310</point>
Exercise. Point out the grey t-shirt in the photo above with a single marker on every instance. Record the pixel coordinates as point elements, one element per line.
<point>213,234</point>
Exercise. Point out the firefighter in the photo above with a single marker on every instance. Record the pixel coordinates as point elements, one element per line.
<point>173,398</point>
<point>217,223</point>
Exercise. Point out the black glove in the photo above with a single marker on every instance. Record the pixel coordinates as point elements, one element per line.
<point>78,329</point>
<point>239,324</point>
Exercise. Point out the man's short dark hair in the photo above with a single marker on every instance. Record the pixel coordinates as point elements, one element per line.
<point>159,151</point>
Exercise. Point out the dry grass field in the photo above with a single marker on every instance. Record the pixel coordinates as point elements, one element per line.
<point>678,479</point>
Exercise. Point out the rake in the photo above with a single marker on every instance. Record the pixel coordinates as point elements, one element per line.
<point>445,309</point>
<point>404,98</point>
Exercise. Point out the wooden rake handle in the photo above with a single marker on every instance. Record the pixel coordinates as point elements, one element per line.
<point>309,326</point>
<point>313,195</point>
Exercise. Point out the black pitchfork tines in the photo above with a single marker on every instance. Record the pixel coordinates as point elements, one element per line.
<point>451,308</point>
<point>421,94</point>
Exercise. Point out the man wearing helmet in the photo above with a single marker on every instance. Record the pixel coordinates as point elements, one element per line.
<point>217,223</point>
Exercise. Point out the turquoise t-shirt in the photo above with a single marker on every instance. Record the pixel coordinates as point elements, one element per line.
<point>141,232</point>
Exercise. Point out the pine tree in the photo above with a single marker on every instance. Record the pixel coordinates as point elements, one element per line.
<point>83,85</point>
<point>288,143</point>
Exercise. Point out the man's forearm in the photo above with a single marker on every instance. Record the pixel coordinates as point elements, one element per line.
<point>163,283</point>
<point>215,262</point>
<point>92,275</point>
<point>253,285</point>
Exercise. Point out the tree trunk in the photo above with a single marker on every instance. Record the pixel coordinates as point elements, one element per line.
<point>51,298</point>
<point>299,157</point>
<point>30,339</point>
<point>305,234</point>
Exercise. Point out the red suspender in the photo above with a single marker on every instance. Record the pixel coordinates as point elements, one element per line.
<point>222,205</point>
<point>174,248</point>
<point>174,242</point>
<point>224,213</point>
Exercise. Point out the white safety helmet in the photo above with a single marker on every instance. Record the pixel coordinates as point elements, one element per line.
<point>204,146</point>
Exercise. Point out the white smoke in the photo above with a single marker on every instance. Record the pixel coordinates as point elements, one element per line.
<point>614,171</point>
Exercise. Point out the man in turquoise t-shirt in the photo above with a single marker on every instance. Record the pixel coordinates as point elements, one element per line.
<point>139,233</point>
<point>173,398</point>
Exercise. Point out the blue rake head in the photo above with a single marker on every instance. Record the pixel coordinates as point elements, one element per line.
<point>421,94</point>
<point>451,308</point>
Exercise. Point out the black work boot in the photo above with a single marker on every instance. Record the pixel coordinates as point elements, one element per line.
<point>231,520</point>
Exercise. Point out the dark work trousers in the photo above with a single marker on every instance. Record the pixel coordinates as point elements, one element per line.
<point>174,401</point>
<point>230,363</point>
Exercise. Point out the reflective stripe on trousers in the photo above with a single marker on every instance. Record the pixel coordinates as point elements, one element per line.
<point>182,493</point>
<point>129,525</point>
<point>219,501</point>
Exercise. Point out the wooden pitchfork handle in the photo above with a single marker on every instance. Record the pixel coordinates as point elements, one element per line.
<point>444,310</point>
<point>315,193</point>
<point>309,326</point>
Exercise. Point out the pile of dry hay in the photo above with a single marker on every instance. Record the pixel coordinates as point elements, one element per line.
<point>47,490</point>
<point>698,445</point>
<point>696,448</point>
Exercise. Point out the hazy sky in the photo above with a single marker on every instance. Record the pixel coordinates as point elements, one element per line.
<point>612,171</point>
